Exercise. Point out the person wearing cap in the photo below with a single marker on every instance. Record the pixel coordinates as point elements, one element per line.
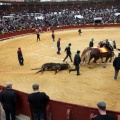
<point>8,99</point>
<point>38,102</point>
<point>91,44</point>
<point>20,57</point>
<point>77,61</point>
<point>103,115</point>
<point>68,52</point>
<point>58,46</point>
<point>116,65</point>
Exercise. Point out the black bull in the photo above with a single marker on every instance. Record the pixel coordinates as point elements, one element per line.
<point>53,67</point>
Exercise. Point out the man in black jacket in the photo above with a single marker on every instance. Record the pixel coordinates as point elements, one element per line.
<point>68,52</point>
<point>103,115</point>
<point>38,102</point>
<point>91,44</point>
<point>77,61</point>
<point>58,46</point>
<point>116,65</point>
<point>8,99</point>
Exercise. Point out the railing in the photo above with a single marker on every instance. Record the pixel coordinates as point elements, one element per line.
<point>19,33</point>
<point>57,110</point>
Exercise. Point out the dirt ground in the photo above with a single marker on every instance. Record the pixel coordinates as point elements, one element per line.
<point>93,85</point>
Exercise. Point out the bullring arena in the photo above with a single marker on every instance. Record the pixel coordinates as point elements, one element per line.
<point>93,85</point>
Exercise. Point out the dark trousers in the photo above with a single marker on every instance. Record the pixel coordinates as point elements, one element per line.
<point>9,113</point>
<point>77,68</point>
<point>21,60</point>
<point>68,55</point>
<point>116,74</point>
<point>38,37</point>
<point>58,52</point>
<point>39,116</point>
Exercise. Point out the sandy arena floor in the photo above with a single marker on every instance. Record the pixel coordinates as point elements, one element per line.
<point>93,85</point>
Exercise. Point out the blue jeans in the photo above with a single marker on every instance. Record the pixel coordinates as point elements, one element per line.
<point>39,116</point>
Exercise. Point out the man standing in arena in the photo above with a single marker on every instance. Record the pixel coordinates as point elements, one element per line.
<point>77,61</point>
<point>8,99</point>
<point>68,52</point>
<point>20,57</point>
<point>38,34</point>
<point>91,44</point>
<point>79,31</point>
<point>38,102</point>
<point>53,36</point>
<point>58,46</point>
<point>116,65</point>
<point>103,115</point>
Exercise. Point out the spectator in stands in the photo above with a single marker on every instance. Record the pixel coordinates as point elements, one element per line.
<point>58,46</point>
<point>102,113</point>
<point>8,99</point>
<point>68,52</point>
<point>38,102</point>
<point>91,44</point>
<point>77,61</point>
<point>20,57</point>
<point>116,65</point>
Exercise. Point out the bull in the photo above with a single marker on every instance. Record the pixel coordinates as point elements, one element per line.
<point>53,67</point>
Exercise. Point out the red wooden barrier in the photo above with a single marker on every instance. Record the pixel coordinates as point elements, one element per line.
<point>57,110</point>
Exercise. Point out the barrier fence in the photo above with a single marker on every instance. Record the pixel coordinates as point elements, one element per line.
<point>57,110</point>
<point>23,32</point>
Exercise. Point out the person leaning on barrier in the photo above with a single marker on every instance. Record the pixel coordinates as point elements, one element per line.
<point>8,99</point>
<point>38,102</point>
<point>103,115</point>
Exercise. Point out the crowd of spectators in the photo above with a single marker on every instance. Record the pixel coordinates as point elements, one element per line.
<point>26,19</point>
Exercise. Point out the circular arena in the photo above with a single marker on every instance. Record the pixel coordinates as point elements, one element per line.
<point>93,85</point>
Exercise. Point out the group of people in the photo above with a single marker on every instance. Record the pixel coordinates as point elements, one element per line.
<point>38,102</point>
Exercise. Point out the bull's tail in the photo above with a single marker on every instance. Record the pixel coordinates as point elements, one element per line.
<point>35,68</point>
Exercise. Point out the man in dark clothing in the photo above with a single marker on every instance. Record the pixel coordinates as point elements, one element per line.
<point>8,99</point>
<point>102,113</point>
<point>53,36</point>
<point>77,61</point>
<point>58,46</point>
<point>116,65</point>
<point>38,37</point>
<point>79,31</point>
<point>68,52</point>
<point>38,102</point>
<point>91,44</point>
<point>20,57</point>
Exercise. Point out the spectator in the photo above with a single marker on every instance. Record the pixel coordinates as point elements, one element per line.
<point>8,99</point>
<point>68,52</point>
<point>77,61</point>
<point>38,102</point>
<point>58,46</point>
<point>102,113</point>
<point>116,65</point>
<point>20,57</point>
<point>91,44</point>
